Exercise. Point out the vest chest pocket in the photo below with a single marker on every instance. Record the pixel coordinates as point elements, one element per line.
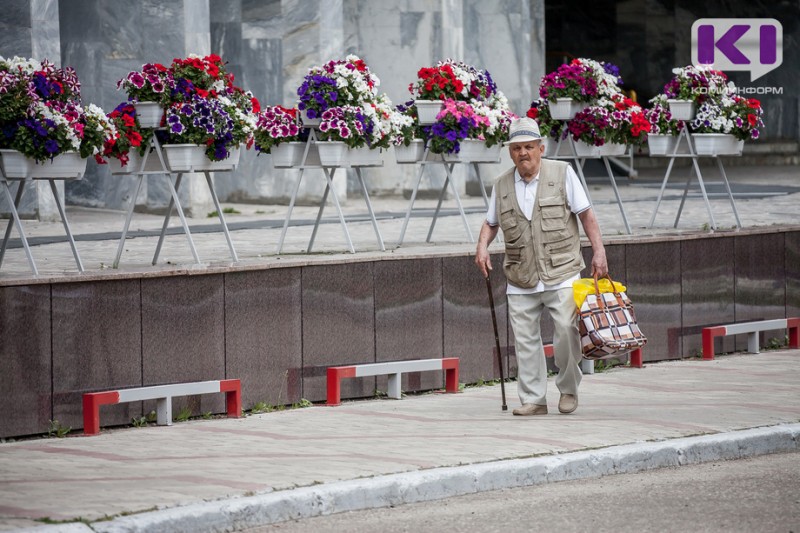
<point>508,222</point>
<point>553,213</point>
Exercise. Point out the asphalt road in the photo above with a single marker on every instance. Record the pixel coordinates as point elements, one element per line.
<point>750,495</point>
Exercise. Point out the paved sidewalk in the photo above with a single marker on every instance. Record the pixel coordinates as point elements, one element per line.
<point>209,475</point>
<point>765,196</point>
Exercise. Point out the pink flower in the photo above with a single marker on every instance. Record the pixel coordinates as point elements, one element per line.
<point>136,79</point>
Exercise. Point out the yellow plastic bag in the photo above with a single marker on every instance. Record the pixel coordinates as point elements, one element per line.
<point>585,286</point>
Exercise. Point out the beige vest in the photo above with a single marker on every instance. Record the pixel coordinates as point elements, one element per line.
<point>547,247</point>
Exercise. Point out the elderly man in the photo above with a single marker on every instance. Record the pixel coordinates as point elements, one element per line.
<point>537,204</point>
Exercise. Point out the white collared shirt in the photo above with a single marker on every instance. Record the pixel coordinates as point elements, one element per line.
<point>577,201</point>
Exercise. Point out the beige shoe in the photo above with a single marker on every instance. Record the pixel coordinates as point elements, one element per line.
<point>529,409</point>
<point>568,403</point>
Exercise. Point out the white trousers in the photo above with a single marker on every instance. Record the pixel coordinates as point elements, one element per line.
<point>525,310</point>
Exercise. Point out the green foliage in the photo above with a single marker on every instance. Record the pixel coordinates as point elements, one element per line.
<point>57,430</point>
<point>776,344</point>
<point>261,407</point>
<point>184,415</point>
<point>302,404</point>
<point>226,211</point>
<point>606,364</point>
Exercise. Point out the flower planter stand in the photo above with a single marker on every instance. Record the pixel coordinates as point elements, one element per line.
<point>159,166</point>
<point>314,157</point>
<point>16,167</point>
<point>578,152</point>
<point>692,153</point>
<point>429,158</point>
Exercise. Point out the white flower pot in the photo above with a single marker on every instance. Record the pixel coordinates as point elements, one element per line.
<point>287,154</point>
<point>332,153</point>
<point>427,110</point>
<point>310,122</point>
<point>586,150</point>
<point>411,153</point>
<point>135,164</point>
<point>660,144</point>
<point>475,151</point>
<point>149,114</point>
<point>364,157</point>
<point>611,149</point>
<point>66,165</point>
<point>717,144</point>
<point>681,109</point>
<point>192,158</point>
<point>564,108</point>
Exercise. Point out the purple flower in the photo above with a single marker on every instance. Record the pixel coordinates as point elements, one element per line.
<point>220,152</point>
<point>51,145</point>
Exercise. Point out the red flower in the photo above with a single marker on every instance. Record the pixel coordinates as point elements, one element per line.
<point>753,103</point>
<point>752,119</point>
<point>639,124</point>
<point>533,113</point>
<point>135,138</point>
<point>201,92</point>
<point>289,111</point>
<point>256,105</point>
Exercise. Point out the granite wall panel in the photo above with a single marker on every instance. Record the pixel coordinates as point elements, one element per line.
<point>468,331</point>
<point>760,282</point>
<point>263,340</point>
<point>279,330</point>
<point>408,317</point>
<point>183,336</point>
<point>707,291</point>
<point>25,360</point>
<point>653,275</point>
<point>338,326</point>
<point>96,346</point>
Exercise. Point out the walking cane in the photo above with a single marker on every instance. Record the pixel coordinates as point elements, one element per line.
<point>497,342</point>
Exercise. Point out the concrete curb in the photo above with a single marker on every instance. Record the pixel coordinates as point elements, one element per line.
<point>425,485</point>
